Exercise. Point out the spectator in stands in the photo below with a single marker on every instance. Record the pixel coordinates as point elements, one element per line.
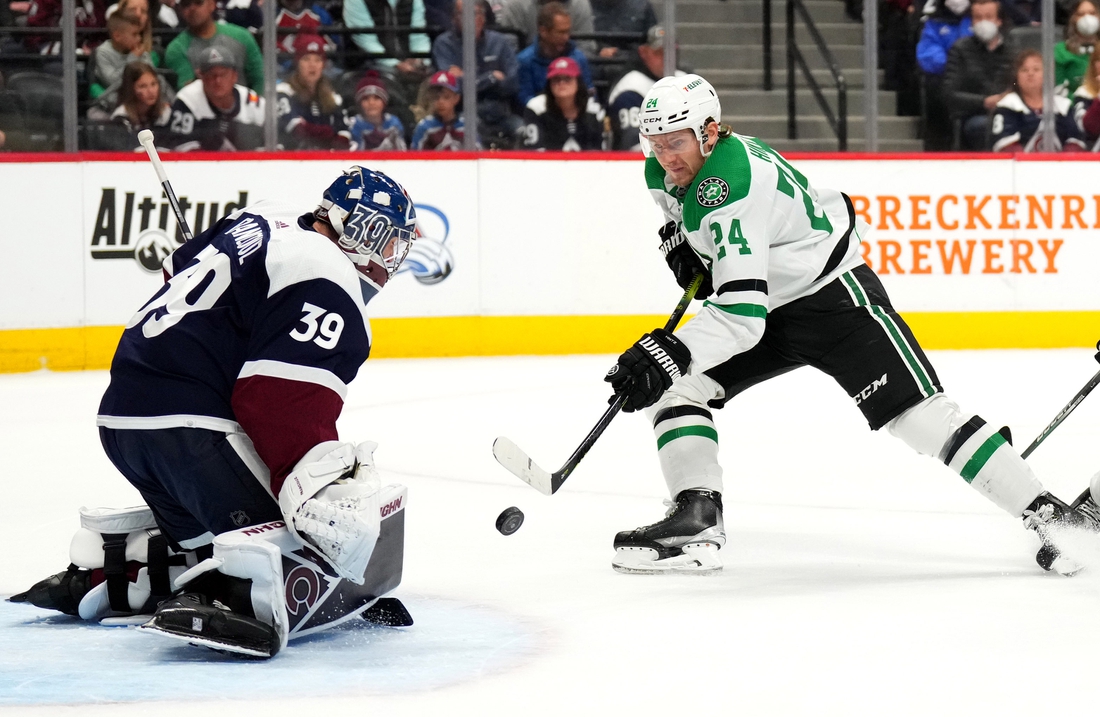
<point>979,69</point>
<point>374,128</point>
<point>623,16</point>
<point>625,100</point>
<point>443,128</point>
<point>300,15</point>
<point>497,75</point>
<point>248,14</point>
<point>311,115</point>
<point>138,10</point>
<point>554,28</point>
<point>564,117</point>
<point>948,23</point>
<point>142,104</point>
<point>201,33</point>
<point>394,47</point>
<point>1071,57</point>
<point>123,47</point>
<point>523,15</point>
<point>214,113</point>
<point>47,13</point>
<point>1019,113</point>
<point>1086,103</point>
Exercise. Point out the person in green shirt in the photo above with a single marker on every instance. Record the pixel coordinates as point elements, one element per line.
<point>1071,58</point>
<point>182,54</point>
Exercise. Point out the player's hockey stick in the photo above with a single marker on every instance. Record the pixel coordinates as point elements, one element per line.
<point>146,138</point>
<point>509,455</point>
<point>1064,413</point>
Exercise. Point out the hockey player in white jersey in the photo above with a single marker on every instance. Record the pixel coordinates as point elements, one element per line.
<point>225,390</point>
<point>786,287</point>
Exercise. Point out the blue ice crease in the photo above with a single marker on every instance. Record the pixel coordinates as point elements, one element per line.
<point>48,658</point>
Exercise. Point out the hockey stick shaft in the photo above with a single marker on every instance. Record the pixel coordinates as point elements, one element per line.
<point>1064,413</point>
<point>146,138</point>
<point>620,399</point>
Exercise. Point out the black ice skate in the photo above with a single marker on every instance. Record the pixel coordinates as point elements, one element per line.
<point>686,541</point>
<point>1047,516</point>
<point>195,618</point>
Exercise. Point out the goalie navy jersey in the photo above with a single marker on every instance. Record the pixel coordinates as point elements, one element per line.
<point>260,328</point>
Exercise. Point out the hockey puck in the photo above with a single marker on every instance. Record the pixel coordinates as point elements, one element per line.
<point>509,520</point>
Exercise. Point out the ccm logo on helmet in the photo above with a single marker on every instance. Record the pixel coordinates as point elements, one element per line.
<point>392,507</point>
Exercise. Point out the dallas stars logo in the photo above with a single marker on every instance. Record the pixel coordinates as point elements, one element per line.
<point>712,192</point>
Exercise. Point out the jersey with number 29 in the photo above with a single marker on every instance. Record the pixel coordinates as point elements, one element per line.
<point>260,328</point>
<point>767,236</point>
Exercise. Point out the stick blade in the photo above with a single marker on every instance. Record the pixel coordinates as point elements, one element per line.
<point>512,457</point>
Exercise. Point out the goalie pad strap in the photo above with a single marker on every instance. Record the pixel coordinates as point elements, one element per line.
<point>114,571</point>
<point>160,586</point>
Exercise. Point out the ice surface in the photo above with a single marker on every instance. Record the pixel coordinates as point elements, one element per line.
<point>860,579</point>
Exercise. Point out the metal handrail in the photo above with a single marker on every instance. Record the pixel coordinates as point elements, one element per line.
<point>838,121</point>
<point>768,45</point>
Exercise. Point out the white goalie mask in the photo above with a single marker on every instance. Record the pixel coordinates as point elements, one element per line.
<point>676,103</point>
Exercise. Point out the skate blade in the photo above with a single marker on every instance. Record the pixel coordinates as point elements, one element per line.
<point>696,559</point>
<point>217,645</point>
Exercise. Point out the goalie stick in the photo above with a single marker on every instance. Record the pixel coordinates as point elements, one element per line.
<point>512,457</point>
<point>1064,413</point>
<point>146,138</point>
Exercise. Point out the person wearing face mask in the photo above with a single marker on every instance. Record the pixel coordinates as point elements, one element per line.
<point>979,68</point>
<point>1071,57</point>
<point>948,23</point>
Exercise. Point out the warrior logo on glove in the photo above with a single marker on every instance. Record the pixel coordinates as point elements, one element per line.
<point>648,368</point>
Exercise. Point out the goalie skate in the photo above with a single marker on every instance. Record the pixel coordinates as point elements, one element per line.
<point>193,619</point>
<point>686,541</point>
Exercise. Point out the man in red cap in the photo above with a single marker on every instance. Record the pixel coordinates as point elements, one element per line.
<point>311,115</point>
<point>444,128</point>
<point>374,127</point>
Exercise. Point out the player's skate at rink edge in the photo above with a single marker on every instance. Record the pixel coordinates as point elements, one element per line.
<point>787,288</point>
<point>221,411</point>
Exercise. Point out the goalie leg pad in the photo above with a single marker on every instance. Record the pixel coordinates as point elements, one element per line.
<point>120,565</point>
<point>265,574</point>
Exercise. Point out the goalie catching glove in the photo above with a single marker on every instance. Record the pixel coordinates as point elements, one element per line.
<point>683,260</point>
<point>648,368</point>
<point>330,502</point>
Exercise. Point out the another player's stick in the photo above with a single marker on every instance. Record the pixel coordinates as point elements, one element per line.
<point>1064,413</point>
<point>146,138</point>
<point>509,455</point>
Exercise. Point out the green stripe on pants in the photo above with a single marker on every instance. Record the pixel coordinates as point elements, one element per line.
<point>978,460</point>
<point>704,431</point>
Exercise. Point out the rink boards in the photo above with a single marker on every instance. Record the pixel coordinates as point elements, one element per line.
<point>549,255</point>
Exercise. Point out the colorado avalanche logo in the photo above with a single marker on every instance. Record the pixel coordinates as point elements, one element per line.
<point>429,259</point>
<point>303,588</point>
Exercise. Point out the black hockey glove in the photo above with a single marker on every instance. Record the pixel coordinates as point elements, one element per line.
<point>648,368</point>
<point>683,260</point>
